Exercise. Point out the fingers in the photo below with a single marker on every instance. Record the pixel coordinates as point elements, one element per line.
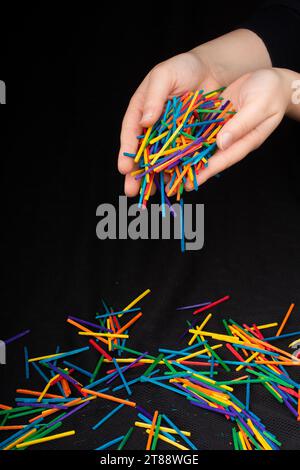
<point>223,159</point>
<point>249,117</point>
<point>131,186</point>
<point>159,86</point>
<point>144,109</point>
<point>131,128</point>
<point>253,97</point>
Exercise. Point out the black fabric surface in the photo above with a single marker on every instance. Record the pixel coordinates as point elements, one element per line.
<point>67,100</point>
<point>278,25</point>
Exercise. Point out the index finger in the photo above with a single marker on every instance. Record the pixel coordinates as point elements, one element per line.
<point>131,128</point>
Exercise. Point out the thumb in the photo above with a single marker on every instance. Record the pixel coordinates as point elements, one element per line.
<point>156,94</point>
<point>251,114</point>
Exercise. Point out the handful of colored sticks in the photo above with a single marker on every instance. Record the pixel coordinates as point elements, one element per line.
<point>178,146</point>
<point>205,372</point>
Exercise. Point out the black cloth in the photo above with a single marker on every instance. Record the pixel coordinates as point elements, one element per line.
<point>67,93</point>
<point>278,25</point>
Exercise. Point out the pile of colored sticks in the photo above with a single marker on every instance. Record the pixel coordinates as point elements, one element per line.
<point>178,146</point>
<point>246,358</point>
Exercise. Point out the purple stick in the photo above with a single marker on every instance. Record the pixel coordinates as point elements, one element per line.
<point>291,408</point>
<point>93,325</point>
<point>193,306</point>
<point>144,412</point>
<point>62,374</point>
<point>209,387</point>
<point>42,405</point>
<point>123,369</point>
<point>14,338</point>
<point>69,414</point>
<point>217,410</point>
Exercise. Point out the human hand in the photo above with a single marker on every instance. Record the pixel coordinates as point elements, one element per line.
<point>261,99</point>
<point>173,77</point>
<point>209,66</point>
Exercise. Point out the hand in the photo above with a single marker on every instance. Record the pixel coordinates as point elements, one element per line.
<point>209,66</point>
<point>261,99</point>
<point>173,77</point>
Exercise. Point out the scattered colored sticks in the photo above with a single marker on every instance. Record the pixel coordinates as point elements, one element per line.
<point>176,149</point>
<point>189,371</point>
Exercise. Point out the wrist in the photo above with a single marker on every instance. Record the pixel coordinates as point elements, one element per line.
<point>233,55</point>
<point>291,91</point>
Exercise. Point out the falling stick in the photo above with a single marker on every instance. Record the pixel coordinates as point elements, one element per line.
<point>213,304</point>
<point>18,336</point>
<point>130,322</point>
<point>83,328</point>
<point>287,315</point>
<point>136,300</point>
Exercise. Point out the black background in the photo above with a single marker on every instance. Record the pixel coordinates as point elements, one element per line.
<point>69,76</point>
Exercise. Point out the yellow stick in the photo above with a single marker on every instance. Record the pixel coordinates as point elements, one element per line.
<point>143,145</point>
<point>249,359</point>
<point>199,328</point>
<point>267,325</point>
<point>43,357</point>
<point>108,335</point>
<point>46,439</point>
<point>242,440</point>
<point>139,424</point>
<point>173,443</point>
<point>159,137</point>
<point>232,339</point>
<point>197,353</point>
<point>169,141</point>
<point>47,387</point>
<point>135,301</point>
<point>259,436</point>
<point>21,439</point>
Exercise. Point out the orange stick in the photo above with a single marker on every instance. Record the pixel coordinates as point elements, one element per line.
<point>109,397</point>
<point>5,407</point>
<point>178,180</point>
<point>287,316</point>
<point>151,432</point>
<point>11,428</point>
<point>83,328</point>
<point>66,387</point>
<point>129,323</point>
<point>54,410</point>
<point>37,394</point>
<point>283,363</point>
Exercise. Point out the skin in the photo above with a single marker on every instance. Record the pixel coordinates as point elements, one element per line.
<point>238,60</point>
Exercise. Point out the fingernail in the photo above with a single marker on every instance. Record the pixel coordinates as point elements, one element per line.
<point>147,116</point>
<point>225,140</point>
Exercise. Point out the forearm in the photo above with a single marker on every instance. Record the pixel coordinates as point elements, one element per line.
<point>234,54</point>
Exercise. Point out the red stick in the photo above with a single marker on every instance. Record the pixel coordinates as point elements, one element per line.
<point>100,350</point>
<point>213,304</point>
<point>235,353</point>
